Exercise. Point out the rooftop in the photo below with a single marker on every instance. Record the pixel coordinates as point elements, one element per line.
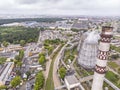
<point>71,79</point>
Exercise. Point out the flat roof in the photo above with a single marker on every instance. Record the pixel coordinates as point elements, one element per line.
<point>71,79</point>
<point>5,70</point>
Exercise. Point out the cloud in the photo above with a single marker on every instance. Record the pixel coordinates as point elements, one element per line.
<point>27,1</point>
<point>63,7</point>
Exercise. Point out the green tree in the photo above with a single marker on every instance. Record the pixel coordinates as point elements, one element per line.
<point>62,72</point>
<point>22,42</point>
<point>2,60</point>
<point>41,54</point>
<point>21,54</point>
<point>42,60</point>
<point>28,73</point>
<point>3,87</point>
<point>15,82</point>
<point>39,81</point>
<point>115,56</point>
<point>19,64</point>
<point>119,70</point>
<point>17,57</point>
<point>5,44</point>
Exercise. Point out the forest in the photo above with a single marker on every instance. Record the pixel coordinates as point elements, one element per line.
<point>18,33</point>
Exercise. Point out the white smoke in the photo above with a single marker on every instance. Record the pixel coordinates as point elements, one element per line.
<point>92,37</point>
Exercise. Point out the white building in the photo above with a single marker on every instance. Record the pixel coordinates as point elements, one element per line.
<point>71,82</point>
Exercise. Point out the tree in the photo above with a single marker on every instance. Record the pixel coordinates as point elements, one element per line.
<point>42,60</point>
<point>15,82</point>
<point>5,44</point>
<point>21,54</point>
<point>39,81</point>
<point>28,73</point>
<point>17,57</point>
<point>115,56</point>
<point>41,54</point>
<point>62,72</point>
<point>2,60</point>
<point>3,87</point>
<point>119,70</point>
<point>22,42</point>
<point>19,64</point>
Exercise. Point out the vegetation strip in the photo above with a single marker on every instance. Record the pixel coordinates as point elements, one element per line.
<point>49,83</point>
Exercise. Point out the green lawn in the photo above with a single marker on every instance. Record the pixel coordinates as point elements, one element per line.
<point>113,78</point>
<point>113,65</point>
<point>49,83</point>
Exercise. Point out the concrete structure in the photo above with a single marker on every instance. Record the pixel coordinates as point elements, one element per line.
<point>5,72</point>
<point>88,47</point>
<point>71,82</point>
<point>100,68</point>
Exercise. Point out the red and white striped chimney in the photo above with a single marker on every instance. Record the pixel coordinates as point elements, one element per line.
<point>100,68</point>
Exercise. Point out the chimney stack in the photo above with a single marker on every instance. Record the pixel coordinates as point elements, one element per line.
<point>102,57</point>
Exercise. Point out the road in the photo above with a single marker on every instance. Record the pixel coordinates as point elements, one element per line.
<point>27,85</point>
<point>111,84</point>
<point>48,63</point>
<point>55,67</point>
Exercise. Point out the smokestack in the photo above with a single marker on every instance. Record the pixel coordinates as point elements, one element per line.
<point>101,62</point>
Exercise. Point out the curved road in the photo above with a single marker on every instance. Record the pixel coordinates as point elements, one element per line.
<point>55,67</point>
<point>49,62</point>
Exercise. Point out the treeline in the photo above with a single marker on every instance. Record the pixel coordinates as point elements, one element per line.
<point>6,21</point>
<point>49,44</point>
<point>16,34</point>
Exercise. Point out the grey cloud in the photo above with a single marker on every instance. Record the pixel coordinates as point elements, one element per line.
<point>27,1</point>
<point>87,7</point>
<point>34,1</point>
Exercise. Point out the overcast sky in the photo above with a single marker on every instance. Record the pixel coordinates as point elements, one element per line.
<point>61,7</point>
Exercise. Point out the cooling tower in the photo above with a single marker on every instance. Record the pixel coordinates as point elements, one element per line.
<point>88,47</point>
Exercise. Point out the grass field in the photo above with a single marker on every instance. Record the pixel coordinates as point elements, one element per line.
<point>113,65</point>
<point>113,78</point>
